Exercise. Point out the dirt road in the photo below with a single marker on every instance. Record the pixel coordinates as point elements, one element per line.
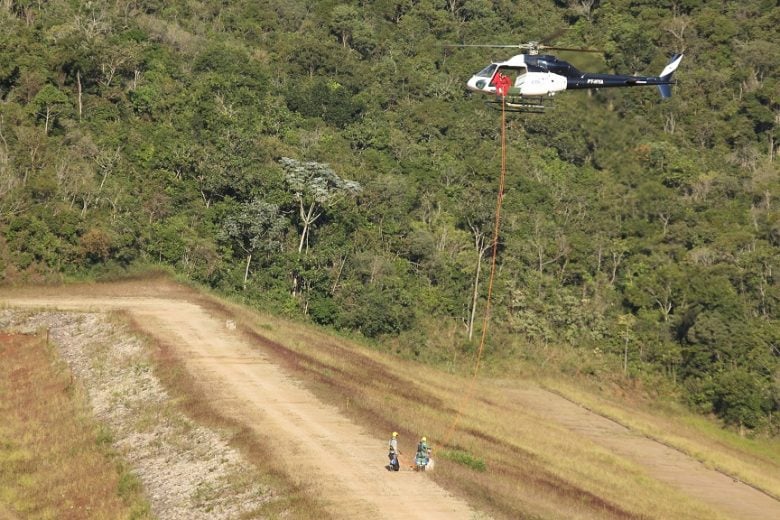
<point>323,450</point>
<point>335,457</point>
<point>662,462</point>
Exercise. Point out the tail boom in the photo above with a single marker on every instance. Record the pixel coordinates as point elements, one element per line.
<point>664,81</point>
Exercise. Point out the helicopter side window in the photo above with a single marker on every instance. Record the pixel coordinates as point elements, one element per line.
<point>487,72</point>
<point>520,78</point>
<point>516,74</point>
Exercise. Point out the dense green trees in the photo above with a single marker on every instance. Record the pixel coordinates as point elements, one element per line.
<point>216,138</point>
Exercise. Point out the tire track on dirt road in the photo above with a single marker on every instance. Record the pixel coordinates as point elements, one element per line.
<point>662,462</point>
<point>323,450</point>
<point>334,457</point>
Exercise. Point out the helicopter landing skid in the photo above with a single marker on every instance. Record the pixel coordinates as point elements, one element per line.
<point>527,105</point>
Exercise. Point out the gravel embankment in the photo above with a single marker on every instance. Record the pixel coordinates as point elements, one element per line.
<point>188,471</point>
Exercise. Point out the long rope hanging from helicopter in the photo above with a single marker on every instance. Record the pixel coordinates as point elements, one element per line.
<point>466,397</point>
<point>537,78</point>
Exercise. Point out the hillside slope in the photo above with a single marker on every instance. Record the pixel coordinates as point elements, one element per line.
<point>323,450</point>
<point>339,454</point>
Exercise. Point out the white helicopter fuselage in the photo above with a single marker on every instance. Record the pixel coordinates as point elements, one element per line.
<point>537,76</point>
<point>525,83</point>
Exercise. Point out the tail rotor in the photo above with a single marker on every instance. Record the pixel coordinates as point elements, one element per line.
<point>666,76</point>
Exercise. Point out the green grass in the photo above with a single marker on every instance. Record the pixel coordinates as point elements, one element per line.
<point>464,458</point>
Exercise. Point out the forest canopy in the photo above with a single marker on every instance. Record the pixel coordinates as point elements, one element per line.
<point>324,160</point>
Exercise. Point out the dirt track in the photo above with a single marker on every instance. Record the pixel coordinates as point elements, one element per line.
<point>662,462</point>
<point>331,454</point>
<point>323,449</point>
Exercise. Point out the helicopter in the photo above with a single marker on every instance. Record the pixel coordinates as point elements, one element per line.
<point>527,82</point>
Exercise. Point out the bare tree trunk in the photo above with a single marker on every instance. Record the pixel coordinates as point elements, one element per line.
<point>670,124</point>
<point>246,271</point>
<point>7,178</point>
<point>338,276</point>
<point>475,295</point>
<point>625,356</point>
<point>308,218</point>
<point>29,16</point>
<point>598,263</point>
<point>665,218</point>
<point>304,232</point>
<point>306,291</point>
<point>106,164</point>
<point>479,244</point>
<point>617,259</point>
<point>78,86</point>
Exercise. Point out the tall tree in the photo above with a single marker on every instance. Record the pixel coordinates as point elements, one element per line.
<point>315,187</point>
<point>256,226</point>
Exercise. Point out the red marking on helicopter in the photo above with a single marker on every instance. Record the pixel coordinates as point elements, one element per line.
<point>539,77</point>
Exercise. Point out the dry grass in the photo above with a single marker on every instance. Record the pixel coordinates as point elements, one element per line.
<point>753,461</point>
<point>290,499</point>
<point>53,461</point>
<point>505,461</point>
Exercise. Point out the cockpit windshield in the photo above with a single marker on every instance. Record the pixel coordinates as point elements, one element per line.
<point>487,72</point>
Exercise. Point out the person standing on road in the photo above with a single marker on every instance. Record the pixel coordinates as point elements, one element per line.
<point>393,444</point>
<point>422,453</point>
<point>394,452</point>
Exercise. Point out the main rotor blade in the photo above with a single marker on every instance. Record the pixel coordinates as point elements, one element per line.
<point>529,46</point>
<point>553,35</point>
<point>516,46</point>
<point>575,49</point>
